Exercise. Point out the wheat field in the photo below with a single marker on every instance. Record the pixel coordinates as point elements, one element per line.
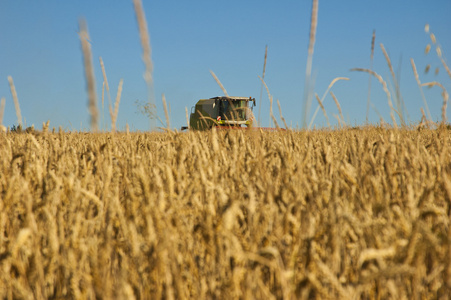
<point>359,213</point>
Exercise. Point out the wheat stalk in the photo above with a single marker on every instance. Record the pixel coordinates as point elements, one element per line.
<point>384,85</point>
<point>16,100</point>
<point>397,98</point>
<point>417,78</point>
<point>423,117</point>
<point>2,110</point>
<point>445,97</point>
<point>147,52</point>
<point>166,113</point>
<point>323,109</point>
<point>439,54</point>
<point>338,107</point>
<point>219,83</point>
<point>105,83</point>
<point>308,87</point>
<point>338,120</point>
<point>271,113</point>
<point>116,106</point>
<point>280,113</point>
<point>373,39</point>
<point>331,84</point>
<point>295,233</point>
<point>187,117</point>
<point>438,50</point>
<point>89,75</point>
<point>103,104</point>
<point>261,89</point>
<point>270,100</point>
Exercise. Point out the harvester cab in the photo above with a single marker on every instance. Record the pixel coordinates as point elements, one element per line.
<point>222,112</point>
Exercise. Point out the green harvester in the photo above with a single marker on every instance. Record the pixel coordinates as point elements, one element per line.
<point>224,112</point>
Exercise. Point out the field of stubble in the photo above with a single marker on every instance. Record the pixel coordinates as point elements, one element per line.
<point>346,214</point>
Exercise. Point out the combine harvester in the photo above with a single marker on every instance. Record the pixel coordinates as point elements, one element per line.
<point>224,113</point>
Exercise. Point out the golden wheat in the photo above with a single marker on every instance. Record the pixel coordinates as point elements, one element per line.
<point>354,213</point>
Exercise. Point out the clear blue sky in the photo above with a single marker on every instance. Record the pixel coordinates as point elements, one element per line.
<point>40,49</point>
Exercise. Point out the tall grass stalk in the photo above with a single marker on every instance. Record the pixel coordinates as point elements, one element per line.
<point>2,109</point>
<point>271,113</point>
<point>387,92</point>
<point>280,113</point>
<point>397,96</point>
<point>308,86</point>
<point>438,49</point>
<point>12,88</point>
<point>261,89</point>
<point>445,97</point>
<point>107,86</point>
<point>373,39</point>
<point>219,83</point>
<point>271,116</point>
<point>338,107</point>
<point>116,106</point>
<point>89,75</point>
<point>331,84</point>
<point>323,109</point>
<point>187,117</point>
<point>103,105</point>
<point>166,112</point>
<point>146,56</point>
<point>417,78</point>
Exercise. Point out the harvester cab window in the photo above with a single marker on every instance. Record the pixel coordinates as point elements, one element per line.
<point>239,109</point>
<point>224,109</point>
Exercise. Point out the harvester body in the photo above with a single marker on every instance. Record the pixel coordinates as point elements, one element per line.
<point>222,112</point>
